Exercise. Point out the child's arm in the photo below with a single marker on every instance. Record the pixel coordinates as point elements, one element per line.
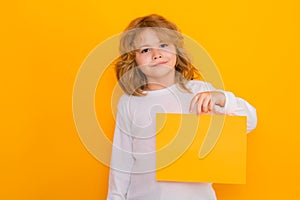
<point>223,102</point>
<point>121,160</point>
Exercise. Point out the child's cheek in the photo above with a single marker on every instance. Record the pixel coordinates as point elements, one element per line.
<point>139,59</point>
<point>142,60</point>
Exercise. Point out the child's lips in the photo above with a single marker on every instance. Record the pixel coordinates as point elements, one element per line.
<point>159,63</point>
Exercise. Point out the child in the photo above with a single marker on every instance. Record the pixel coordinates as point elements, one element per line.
<point>157,77</point>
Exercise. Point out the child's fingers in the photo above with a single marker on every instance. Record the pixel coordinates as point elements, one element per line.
<point>206,103</point>
<point>199,104</point>
<point>212,104</point>
<point>194,102</point>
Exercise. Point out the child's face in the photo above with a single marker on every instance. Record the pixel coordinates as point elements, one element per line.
<point>155,58</point>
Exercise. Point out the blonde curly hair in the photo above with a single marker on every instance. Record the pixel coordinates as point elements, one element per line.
<point>131,79</point>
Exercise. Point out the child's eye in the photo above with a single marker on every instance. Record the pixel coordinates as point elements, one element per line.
<point>145,50</point>
<point>163,45</point>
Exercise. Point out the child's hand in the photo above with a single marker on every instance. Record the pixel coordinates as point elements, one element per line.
<point>205,101</point>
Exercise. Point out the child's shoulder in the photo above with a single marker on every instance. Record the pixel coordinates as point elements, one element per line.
<point>124,98</point>
<point>123,103</point>
<point>197,85</point>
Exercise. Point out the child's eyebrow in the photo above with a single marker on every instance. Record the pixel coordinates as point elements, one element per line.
<point>144,45</point>
<point>148,45</point>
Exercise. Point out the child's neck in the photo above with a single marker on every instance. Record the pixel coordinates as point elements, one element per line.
<point>159,86</point>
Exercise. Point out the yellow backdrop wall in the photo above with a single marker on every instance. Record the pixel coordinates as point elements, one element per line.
<point>255,45</point>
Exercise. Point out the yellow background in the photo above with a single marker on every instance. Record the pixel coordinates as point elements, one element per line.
<point>255,45</point>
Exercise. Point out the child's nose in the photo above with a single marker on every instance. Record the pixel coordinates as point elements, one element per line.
<point>156,54</point>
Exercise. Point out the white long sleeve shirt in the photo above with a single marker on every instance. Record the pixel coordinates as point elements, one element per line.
<point>132,173</point>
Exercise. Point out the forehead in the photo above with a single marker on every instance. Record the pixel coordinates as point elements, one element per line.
<point>151,37</point>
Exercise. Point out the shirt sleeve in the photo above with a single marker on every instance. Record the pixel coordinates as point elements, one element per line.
<point>238,107</point>
<point>233,105</point>
<point>121,159</point>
